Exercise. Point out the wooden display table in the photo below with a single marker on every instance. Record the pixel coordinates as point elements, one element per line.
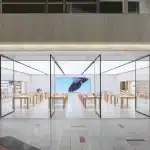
<point>123,98</point>
<point>58,97</point>
<point>84,99</point>
<point>26,98</point>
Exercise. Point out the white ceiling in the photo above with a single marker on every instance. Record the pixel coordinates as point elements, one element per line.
<point>73,62</point>
<point>73,67</point>
<point>76,55</point>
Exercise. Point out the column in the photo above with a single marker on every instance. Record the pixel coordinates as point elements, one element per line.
<point>125,6</point>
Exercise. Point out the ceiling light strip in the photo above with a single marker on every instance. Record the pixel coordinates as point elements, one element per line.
<point>75,47</point>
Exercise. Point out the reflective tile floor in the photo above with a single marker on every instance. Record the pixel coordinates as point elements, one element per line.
<point>85,132</point>
<point>80,134</point>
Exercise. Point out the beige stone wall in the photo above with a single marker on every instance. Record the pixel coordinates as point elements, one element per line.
<point>74,28</point>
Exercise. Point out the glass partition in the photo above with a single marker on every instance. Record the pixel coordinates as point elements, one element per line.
<point>55,71</point>
<point>7,86</point>
<point>94,72</point>
<point>52,86</point>
<point>97,74</point>
<point>118,89</point>
<point>90,74</point>
<point>142,86</point>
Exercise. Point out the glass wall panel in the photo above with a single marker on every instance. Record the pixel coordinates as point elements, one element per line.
<point>118,89</point>
<point>23,1</point>
<point>93,72</point>
<point>133,7</point>
<point>97,70</point>
<point>90,74</point>
<point>55,8</point>
<point>55,1</point>
<point>111,7</point>
<point>81,1</point>
<point>7,86</point>
<point>80,8</point>
<point>52,86</point>
<point>142,86</point>
<point>23,8</point>
<point>83,8</point>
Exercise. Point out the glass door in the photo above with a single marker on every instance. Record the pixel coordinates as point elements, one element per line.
<point>52,87</point>
<point>97,84</point>
<point>6,86</point>
<point>142,86</point>
<point>94,72</point>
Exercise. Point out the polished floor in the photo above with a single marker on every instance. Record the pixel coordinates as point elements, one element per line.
<point>77,128</point>
<point>104,134</point>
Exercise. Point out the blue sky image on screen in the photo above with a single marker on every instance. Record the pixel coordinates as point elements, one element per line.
<point>63,84</point>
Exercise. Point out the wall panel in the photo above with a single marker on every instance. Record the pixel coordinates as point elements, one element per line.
<point>74,28</point>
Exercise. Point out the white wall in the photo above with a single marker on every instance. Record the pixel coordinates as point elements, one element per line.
<point>42,81</point>
<point>8,75</point>
<point>21,77</point>
<point>109,83</point>
<point>39,81</point>
<point>142,74</point>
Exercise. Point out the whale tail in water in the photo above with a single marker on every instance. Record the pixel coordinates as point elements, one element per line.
<point>77,83</point>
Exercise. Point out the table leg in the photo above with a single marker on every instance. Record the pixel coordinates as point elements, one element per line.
<point>20,102</point>
<point>63,103</point>
<point>40,98</point>
<point>36,99</point>
<point>107,97</point>
<point>49,99</point>
<point>127,102</point>
<point>114,100</point>
<point>121,102</point>
<point>27,103</point>
<point>111,99</point>
<point>24,101</point>
<point>117,99</point>
<point>33,100</point>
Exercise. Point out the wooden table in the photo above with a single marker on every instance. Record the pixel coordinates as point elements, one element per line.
<point>90,97</point>
<point>125,97</point>
<point>55,98</point>
<point>25,98</point>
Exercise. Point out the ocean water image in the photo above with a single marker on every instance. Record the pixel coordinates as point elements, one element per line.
<point>63,84</point>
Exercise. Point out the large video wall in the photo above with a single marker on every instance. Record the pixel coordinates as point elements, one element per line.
<point>67,81</point>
